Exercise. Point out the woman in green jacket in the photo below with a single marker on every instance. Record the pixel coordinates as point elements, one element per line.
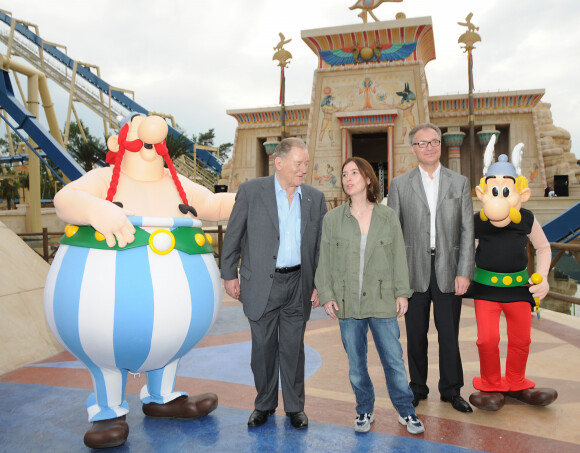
<point>362,280</point>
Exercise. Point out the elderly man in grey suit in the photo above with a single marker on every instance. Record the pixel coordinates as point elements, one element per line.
<point>275,227</point>
<point>435,208</point>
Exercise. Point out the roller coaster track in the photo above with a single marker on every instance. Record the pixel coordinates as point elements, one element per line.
<point>565,227</point>
<point>26,121</point>
<point>78,78</point>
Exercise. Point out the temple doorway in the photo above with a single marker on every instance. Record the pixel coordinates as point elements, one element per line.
<point>374,148</point>
<point>262,160</point>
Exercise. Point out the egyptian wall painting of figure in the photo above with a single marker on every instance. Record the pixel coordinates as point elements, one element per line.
<point>328,107</point>
<point>387,91</point>
<point>325,175</point>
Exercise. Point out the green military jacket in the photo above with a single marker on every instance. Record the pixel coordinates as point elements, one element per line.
<point>385,276</point>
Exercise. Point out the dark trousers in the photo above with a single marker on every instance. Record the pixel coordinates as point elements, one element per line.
<point>278,346</point>
<point>446,312</point>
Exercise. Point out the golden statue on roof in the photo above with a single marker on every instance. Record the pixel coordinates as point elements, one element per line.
<point>469,38</point>
<point>282,55</point>
<point>367,6</point>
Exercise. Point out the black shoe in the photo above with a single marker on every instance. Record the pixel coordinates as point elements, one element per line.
<point>418,397</point>
<point>458,403</point>
<point>298,420</point>
<point>258,418</point>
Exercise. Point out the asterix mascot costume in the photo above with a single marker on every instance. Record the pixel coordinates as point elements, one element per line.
<point>501,283</point>
<point>134,285</point>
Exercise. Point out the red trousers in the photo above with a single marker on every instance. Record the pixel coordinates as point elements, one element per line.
<point>519,324</point>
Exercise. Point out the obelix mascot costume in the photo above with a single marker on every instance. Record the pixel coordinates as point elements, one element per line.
<point>134,285</point>
<point>501,282</point>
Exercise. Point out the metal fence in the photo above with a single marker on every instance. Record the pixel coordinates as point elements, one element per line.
<point>562,248</point>
<point>46,244</point>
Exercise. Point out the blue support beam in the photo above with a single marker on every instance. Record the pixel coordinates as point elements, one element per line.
<point>28,123</point>
<point>566,224</point>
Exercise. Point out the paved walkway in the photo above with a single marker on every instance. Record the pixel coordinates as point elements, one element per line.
<point>42,406</point>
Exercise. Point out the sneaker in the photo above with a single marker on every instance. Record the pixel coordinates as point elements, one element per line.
<point>362,423</point>
<point>414,425</point>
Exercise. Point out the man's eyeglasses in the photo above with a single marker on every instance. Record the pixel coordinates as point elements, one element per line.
<point>423,144</point>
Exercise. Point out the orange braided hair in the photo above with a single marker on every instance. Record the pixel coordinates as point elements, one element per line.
<point>135,146</point>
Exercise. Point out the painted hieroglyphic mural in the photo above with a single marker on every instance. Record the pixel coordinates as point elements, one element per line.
<point>326,175</point>
<point>361,92</point>
<point>389,90</point>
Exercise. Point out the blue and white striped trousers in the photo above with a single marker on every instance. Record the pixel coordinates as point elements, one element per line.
<point>130,311</point>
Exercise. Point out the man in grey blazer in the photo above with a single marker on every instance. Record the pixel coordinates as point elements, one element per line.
<point>435,208</point>
<point>275,228</point>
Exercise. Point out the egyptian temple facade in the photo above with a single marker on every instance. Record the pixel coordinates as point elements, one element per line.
<point>370,89</point>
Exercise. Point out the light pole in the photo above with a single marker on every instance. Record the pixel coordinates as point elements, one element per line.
<point>283,57</point>
<point>469,38</point>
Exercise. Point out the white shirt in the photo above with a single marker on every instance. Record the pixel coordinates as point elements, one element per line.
<point>431,187</point>
<point>363,247</point>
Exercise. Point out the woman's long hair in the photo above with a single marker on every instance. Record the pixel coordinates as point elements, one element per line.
<point>366,170</point>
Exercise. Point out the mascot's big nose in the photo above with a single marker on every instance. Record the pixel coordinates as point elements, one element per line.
<point>496,209</point>
<point>152,130</point>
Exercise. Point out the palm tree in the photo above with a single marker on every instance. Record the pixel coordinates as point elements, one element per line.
<point>177,146</point>
<point>9,188</point>
<point>49,184</point>
<point>87,152</point>
<point>24,183</point>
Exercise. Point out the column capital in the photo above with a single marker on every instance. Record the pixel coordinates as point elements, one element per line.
<point>453,139</point>
<point>484,137</point>
<point>270,145</point>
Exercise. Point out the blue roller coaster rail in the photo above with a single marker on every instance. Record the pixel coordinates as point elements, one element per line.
<point>27,122</point>
<point>204,157</point>
<point>564,227</point>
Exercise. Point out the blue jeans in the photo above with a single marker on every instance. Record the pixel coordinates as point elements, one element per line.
<point>386,336</point>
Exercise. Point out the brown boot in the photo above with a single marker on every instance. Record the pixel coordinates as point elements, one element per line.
<point>183,407</point>
<point>107,433</point>
<point>488,401</point>
<point>534,396</point>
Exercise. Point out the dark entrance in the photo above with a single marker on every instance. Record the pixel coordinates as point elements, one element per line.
<point>262,159</point>
<point>374,148</point>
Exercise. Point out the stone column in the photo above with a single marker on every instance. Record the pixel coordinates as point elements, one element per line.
<point>345,153</point>
<point>453,139</point>
<point>270,146</point>
<point>484,136</point>
<point>343,145</point>
<point>390,155</point>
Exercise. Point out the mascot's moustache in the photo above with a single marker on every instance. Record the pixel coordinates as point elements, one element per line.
<point>514,215</point>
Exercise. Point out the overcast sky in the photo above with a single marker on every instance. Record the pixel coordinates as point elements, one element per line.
<point>196,59</point>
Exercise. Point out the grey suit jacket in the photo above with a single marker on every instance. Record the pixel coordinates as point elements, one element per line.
<point>253,234</point>
<point>453,228</point>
